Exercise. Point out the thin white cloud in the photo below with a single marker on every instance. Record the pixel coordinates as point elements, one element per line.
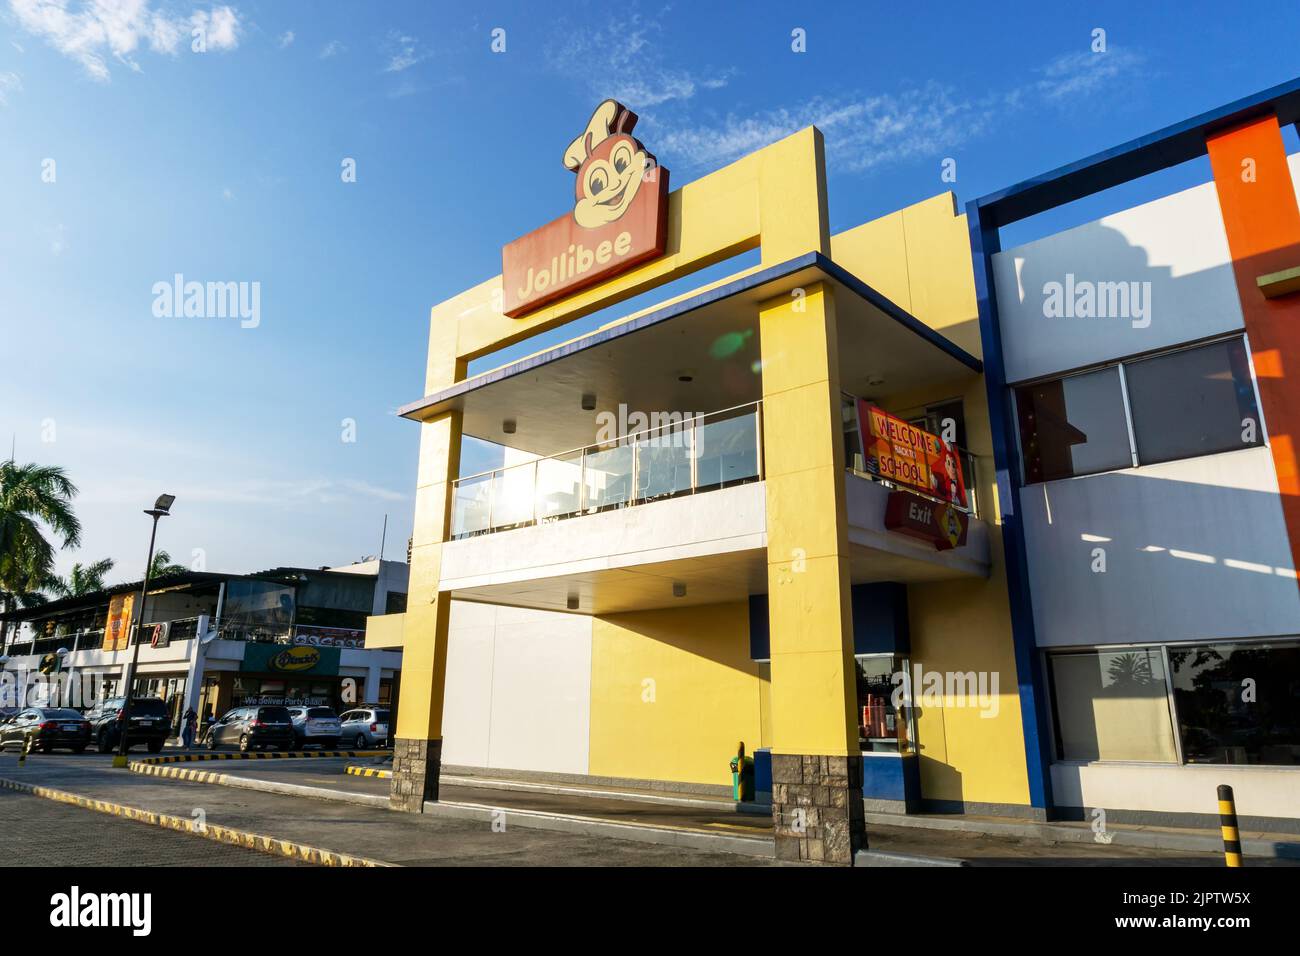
<point>623,64</point>
<point>332,49</point>
<point>866,132</point>
<point>1083,73</point>
<point>860,132</point>
<point>9,83</point>
<point>94,31</point>
<point>404,52</point>
<point>286,39</point>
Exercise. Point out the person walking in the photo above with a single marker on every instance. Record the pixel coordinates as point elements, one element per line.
<point>188,724</point>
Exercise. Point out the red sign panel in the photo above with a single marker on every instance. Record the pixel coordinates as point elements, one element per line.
<point>943,525</point>
<point>619,218</point>
<point>903,453</point>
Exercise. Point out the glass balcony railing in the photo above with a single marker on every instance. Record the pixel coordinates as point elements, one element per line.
<point>682,457</point>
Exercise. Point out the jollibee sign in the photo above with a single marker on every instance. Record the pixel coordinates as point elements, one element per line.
<point>619,217</point>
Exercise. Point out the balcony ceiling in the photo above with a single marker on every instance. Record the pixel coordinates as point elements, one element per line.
<point>710,338</point>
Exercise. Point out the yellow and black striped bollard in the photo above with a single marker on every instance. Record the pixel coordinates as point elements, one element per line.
<point>1228,824</point>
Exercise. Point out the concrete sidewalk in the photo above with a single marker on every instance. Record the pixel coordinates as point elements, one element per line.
<point>355,830</point>
<point>546,828</point>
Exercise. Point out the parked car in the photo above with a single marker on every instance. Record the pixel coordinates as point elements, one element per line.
<point>365,726</point>
<point>44,728</point>
<point>150,723</point>
<point>315,725</point>
<point>252,728</point>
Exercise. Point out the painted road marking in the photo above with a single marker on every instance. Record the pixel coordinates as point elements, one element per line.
<point>210,831</point>
<point>264,755</point>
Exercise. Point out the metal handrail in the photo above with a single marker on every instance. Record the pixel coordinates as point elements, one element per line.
<point>620,440</point>
<point>688,427</point>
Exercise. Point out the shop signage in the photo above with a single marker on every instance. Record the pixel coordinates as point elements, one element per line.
<point>272,700</point>
<point>160,634</point>
<point>942,524</point>
<point>287,659</point>
<point>118,625</point>
<point>619,217</point>
<point>328,636</point>
<point>907,455</point>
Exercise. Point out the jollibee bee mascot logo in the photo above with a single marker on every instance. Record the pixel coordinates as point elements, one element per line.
<point>610,165</point>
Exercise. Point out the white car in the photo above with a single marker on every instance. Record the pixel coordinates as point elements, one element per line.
<point>364,727</point>
<point>315,726</point>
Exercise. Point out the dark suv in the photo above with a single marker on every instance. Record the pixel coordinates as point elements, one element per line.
<point>252,728</point>
<point>150,724</point>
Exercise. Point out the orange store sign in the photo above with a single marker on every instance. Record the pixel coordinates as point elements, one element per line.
<point>619,217</point>
<point>902,453</point>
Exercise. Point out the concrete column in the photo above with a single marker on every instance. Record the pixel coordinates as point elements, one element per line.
<point>194,670</point>
<point>417,740</point>
<point>816,762</point>
<point>373,674</point>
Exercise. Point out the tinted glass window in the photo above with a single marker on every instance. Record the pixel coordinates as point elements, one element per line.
<point>1238,704</point>
<point>273,714</point>
<point>319,712</point>
<point>148,707</point>
<point>381,716</point>
<point>1112,705</point>
<point>62,713</point>
<point>1195,402</point>
<point>1073,426</point>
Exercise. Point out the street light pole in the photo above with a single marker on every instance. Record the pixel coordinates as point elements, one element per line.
<point>161,508</point>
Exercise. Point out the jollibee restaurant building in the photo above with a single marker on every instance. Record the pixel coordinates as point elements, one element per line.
<point>881,505</point>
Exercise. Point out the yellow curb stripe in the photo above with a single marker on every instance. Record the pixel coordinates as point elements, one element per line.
<point>264,755</point>
<point>369,772</point>
<point>228,835</point>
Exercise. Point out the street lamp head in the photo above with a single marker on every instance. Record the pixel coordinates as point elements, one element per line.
<point>162,507</point>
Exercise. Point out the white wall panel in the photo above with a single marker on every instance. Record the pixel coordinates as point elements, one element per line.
<point>1259,791</point>
<point>1194,548</point>
<point>1177,243</point>
<point>518,689</point>
<point>541,693</point>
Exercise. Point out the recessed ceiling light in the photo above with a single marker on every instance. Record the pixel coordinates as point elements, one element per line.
<point>508,426</point>
<point>679,589</point>
<point>572,603</point>
<point>588,402</point>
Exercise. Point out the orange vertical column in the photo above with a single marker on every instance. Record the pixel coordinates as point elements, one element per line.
<point>1262,219</point>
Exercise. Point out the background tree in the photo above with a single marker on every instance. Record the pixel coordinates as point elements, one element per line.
<point>82,579</point>
<point>162,566</point>
<point>33,498</point>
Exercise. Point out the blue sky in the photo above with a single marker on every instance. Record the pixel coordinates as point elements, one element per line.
<point>225,166</point>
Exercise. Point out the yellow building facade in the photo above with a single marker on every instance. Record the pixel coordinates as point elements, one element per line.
<point>747,570</point>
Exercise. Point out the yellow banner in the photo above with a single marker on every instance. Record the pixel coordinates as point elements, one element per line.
<point>117,629</point>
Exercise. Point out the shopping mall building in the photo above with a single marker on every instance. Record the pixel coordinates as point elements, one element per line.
<point>930,525</point>
<point>208,641</point>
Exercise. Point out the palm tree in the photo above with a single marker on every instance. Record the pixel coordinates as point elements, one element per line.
<point>33,498</point>
<point>162,566</point>
<point>82,579</point>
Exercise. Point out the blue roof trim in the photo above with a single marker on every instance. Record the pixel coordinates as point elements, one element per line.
<point>1138,157</point>
<point>707,297</point>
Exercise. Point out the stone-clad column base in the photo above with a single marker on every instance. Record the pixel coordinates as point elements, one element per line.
<point>817,808</point>
<point>416,767</point>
